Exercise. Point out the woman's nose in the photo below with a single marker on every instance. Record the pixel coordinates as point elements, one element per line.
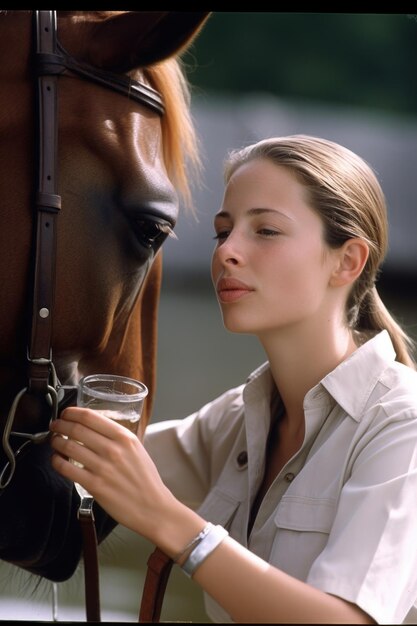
<point>229,252</point>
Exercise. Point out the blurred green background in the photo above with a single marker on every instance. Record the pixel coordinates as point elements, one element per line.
<point>360,59</point>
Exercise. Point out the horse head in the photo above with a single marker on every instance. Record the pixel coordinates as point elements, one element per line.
<point>120,165</point>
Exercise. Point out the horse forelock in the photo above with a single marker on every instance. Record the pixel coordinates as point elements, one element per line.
<point>180,141</point>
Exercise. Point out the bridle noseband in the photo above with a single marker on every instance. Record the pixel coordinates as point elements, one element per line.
<point>52,61</point>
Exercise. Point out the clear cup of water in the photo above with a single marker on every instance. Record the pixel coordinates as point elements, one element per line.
<point>118,398</point>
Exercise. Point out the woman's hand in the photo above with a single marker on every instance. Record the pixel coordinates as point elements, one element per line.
<point>117,470</point>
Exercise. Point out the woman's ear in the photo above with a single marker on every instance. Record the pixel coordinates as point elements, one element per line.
<point>351,259</point>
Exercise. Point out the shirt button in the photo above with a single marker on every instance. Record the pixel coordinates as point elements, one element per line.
<point>242,458</point>
<point>289,477</point>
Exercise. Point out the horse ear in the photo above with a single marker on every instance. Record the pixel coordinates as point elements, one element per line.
<point>141,38</point>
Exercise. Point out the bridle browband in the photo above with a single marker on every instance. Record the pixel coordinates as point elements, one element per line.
<point>59,62</point>
<point>52,61</point>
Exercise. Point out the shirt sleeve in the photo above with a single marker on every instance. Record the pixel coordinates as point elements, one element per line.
<point>190,453</point>
<point>371,556</point>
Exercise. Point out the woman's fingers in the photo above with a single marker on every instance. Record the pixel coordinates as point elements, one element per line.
<point>71,449</point>
<point>91,419</point>
<point>106,449</point>
<point>85,437</point>
<point>65,467</point>
<point>94,431</point>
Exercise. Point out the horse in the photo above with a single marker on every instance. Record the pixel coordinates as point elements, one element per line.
<point>80,238</point>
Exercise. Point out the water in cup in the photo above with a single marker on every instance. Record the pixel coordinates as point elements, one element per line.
<point>127,418</point>
<point>118,398</point>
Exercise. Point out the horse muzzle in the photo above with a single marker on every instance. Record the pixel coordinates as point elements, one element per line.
<point>39,528</point>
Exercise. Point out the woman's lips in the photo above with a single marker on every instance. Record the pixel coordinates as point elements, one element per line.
<point>231,289</point>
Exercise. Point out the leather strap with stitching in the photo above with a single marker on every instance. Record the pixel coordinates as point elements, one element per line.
<point>48,204</point>
<point>91,574</point>
<point>159,569</point>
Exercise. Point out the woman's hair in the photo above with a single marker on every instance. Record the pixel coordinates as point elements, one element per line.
<point>344,191</point>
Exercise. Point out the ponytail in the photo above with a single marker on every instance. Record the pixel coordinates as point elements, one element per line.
<point>373,315</point>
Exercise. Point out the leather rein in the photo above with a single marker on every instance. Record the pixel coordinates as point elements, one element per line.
<point>52,61</point>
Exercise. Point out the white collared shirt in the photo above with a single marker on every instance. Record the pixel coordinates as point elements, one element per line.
<point>342,513</point>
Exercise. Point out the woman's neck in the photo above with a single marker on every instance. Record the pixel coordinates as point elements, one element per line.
<point>298,365</point>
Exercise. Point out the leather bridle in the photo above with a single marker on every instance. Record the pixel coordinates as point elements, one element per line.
<point>52,61</point>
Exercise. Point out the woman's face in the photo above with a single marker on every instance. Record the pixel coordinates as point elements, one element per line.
<point>270,267</point>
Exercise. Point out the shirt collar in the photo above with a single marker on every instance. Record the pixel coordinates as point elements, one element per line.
<point>352,382</point>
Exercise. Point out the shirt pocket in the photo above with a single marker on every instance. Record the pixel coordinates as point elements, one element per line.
<point>219,507</point>
<point>302,513</point>
<point>302,527</point>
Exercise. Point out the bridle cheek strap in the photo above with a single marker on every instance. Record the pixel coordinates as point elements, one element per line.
<point>47,207</point>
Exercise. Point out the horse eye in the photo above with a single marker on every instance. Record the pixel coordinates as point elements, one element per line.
<point>152,232</point>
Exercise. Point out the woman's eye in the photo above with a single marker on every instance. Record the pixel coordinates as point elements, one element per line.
<point>267,232</point>
<point>221,235</point>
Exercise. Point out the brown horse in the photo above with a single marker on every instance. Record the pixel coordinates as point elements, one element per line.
<point>120,166</point>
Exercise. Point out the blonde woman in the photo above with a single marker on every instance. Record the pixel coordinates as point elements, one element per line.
<point>293,497</point>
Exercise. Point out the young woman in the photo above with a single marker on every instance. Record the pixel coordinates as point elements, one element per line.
<point>292,498</point>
